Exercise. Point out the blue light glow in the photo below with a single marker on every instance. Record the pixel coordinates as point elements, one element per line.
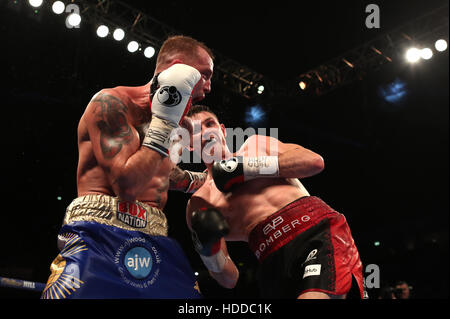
<point>255,114</point>
<point>394,92</point>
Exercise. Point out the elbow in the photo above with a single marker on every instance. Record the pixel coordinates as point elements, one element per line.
<point>318,164</point>
<point>124,190</point>
<point>126,196</point>
<point>230,283</point>
<point>228,278</point>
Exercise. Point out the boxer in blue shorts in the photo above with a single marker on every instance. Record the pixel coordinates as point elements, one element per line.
<point>113,242</point>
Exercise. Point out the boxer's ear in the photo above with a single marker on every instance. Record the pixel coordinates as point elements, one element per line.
<point>224,131</point>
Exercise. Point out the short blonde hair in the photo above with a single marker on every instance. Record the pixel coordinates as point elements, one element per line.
<point>180,44</point>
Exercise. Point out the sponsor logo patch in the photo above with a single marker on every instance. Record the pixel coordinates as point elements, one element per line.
<point>312,270</point>
<point>132,214</point>
<point>169,96</point>
<point>138,262</point>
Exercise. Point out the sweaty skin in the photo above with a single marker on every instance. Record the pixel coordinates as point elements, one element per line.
<point>254,200</point>
<point>112,160</point>
<point>121,115</point>
<point>249,203</point>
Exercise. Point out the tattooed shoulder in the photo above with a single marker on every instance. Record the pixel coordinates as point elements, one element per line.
<point>111,119</point>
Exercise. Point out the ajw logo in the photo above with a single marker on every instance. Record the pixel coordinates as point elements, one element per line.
<point>138,262</point>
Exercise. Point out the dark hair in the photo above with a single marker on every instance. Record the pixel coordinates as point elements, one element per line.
<point>198,108</point>
<point>180,44</point>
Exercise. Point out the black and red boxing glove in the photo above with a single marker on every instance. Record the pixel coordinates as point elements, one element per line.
<point>208,228</point>
<point>229,173</point>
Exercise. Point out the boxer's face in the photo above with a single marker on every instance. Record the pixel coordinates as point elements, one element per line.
<point>201,61</point>
<point>207,135</point>
<point>204,64</point>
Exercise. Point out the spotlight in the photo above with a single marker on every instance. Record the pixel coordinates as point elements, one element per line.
<point>302,85</point>
<point>260,89</point>
<point>149,52</point>
<point>413,55</point>
<point>58,7</point>
<point>441,45</point>
<point>426,53</point>
<point>118,34</point>
<point>133,46</point>
<point>35,3</point>
<point>74,19</point>
<point>102,31</point>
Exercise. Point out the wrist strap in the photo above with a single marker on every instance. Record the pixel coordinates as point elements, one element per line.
<point>215,263</point>
<point>197,179</point>
<point>260,166</point>
<point>157,136</point>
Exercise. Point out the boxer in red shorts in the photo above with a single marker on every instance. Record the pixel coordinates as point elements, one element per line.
<point>304,247</point>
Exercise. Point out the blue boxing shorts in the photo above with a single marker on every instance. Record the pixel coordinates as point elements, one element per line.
<point>114,249</point>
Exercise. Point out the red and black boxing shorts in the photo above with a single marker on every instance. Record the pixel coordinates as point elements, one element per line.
<point>306,246</point>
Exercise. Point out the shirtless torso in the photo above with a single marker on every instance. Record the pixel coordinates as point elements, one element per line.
<point>122,115</point>
<point>251,202</point>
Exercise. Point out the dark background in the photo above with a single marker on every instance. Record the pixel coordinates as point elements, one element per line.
<point>386,164</point>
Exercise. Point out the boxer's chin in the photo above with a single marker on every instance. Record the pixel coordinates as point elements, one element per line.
<point>212,151</point>
<point>198,97</point>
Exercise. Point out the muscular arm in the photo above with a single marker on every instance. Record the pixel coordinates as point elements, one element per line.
<point>178,179</point>
<point>294,161</point>
<point>117,147</point>
<point>184,180</point>
<point>229,276</point>
<point>298,162</point>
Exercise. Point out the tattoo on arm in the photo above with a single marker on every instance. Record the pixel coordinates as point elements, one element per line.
<point>179,179</point>
<point>161,190</point>
<point>186,181</point>
<point>113,124</point>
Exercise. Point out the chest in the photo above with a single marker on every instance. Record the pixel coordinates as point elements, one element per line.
<point>209,196</point>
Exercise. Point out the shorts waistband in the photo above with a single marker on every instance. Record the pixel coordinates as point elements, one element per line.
<point>111,211</point>
<point>284,225</point>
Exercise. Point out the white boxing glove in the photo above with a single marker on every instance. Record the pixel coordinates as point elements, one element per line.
<point>170,102</point>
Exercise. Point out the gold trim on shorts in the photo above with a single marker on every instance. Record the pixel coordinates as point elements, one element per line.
<point>109,210</point>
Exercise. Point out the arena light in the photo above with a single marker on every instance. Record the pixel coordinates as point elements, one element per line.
<point>413,55</point>
<point>426,53</point>
<point>102,31</point>
<point>149,52</point>
<point>74,19</point>
<point>35,3</point>
<point>58,7</point>
<point>302,85</point>
<point>133,46</point>
<point>441,45</point>
<point>260,89</point>
<point>118,34</point>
